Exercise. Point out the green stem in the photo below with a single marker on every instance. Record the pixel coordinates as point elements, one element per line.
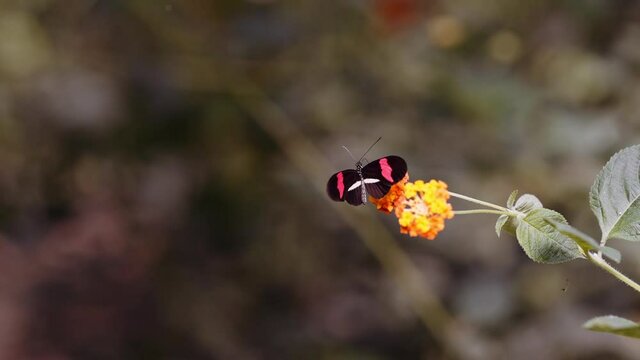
<point>599,261</point>
<point>481,211</point>
<point>603,240</point>
<point>487,204</point>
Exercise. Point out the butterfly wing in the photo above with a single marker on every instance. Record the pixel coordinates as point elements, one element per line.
<point>379,175</point>
<point>339,184</point>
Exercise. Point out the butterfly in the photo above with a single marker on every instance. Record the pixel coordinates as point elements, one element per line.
<point>375,179</point>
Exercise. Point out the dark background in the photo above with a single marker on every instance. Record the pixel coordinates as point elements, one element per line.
<point>162,166</point>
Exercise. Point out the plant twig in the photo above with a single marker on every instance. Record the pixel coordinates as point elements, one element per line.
<point>481,211</point>
<point>600,262</point>
<point>480,202</point>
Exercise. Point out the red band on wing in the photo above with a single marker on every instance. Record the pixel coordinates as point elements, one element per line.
<point>386,169</point>
<point>340,184</point>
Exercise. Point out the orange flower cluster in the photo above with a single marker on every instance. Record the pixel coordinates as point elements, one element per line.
<point>421,208</point>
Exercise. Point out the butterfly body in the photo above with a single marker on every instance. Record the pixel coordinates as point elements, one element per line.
<point>375,179</point>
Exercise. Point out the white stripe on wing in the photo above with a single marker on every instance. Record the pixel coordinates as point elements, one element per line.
<point>366,181</point>
<point>355,185</point>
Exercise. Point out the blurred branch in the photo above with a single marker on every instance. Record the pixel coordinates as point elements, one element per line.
<point>303,152</point>
<point>375,236</point>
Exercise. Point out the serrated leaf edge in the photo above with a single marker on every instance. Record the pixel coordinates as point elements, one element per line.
<point>597,181</point>
<point>538,230</point>
<point>502,220</point>
<point>511,200</point>
<point>609,252</point>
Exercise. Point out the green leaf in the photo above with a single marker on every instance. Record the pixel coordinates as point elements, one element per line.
<point>541,241</point>
<point>614,325</point>
<point>502,219</point>
<point>526,203</point>
<point>615,196</point>
<point>506,223</point>
<point>584,241</point>
<point>512,199</point>
<point>611,253</point>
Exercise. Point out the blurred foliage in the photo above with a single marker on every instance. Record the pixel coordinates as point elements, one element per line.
<point>615,325</point>
<point>145,211</point>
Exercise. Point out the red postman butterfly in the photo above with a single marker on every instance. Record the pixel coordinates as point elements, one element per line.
<point>375,179</point>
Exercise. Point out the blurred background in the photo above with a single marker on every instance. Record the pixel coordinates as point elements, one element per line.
<point>163,163</point>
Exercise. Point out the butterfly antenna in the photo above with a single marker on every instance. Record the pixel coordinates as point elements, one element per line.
<point>370,147</point>
<point>350,154</point>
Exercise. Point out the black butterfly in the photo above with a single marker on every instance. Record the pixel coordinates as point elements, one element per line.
<point>375,178</point>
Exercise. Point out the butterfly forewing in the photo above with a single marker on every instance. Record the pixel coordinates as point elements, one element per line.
<point>388,170</point>
<point>339,184</point>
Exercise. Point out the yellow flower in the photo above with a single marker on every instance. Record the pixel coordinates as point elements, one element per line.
<point>421,208</point>
<point>393,198</point>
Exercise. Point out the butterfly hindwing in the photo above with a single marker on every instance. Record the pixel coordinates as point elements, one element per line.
<point>378,189</point>
<point>354,196</point>
<point>388,170</point>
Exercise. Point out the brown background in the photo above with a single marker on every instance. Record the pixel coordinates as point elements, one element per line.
<point>162,165</point>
